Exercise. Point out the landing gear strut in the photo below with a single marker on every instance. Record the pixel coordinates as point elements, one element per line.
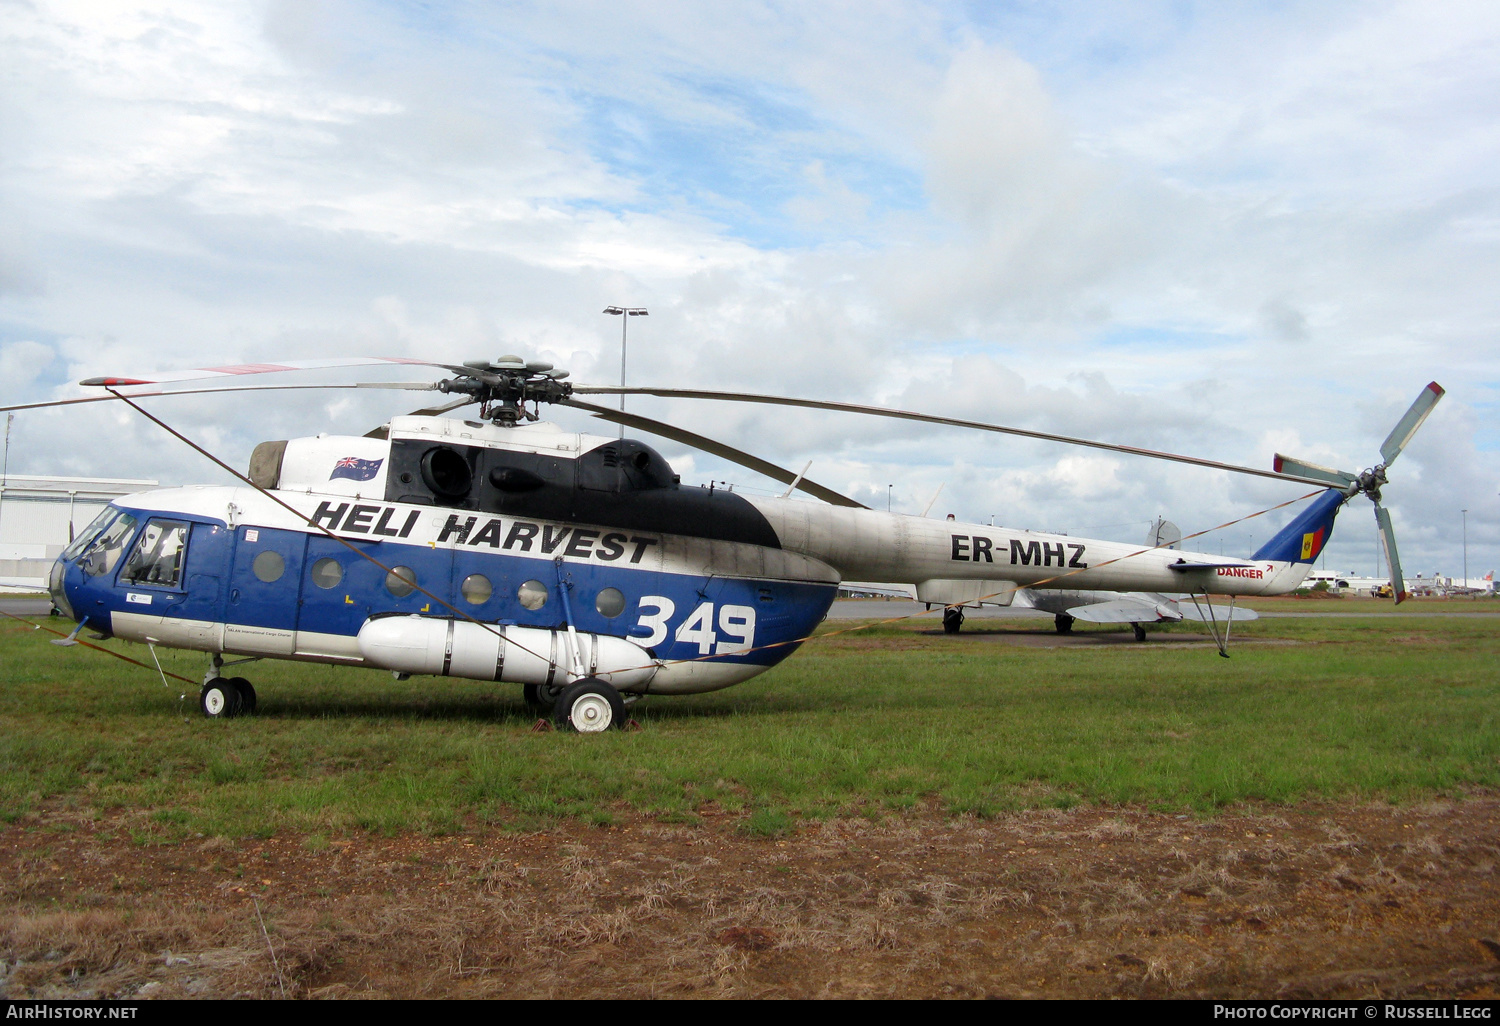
<point>1063,622</point>
<point>953,619</point>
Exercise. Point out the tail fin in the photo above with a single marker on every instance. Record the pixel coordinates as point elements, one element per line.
<point>1303,539</point>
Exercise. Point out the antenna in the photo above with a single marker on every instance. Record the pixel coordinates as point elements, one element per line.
<point>933,501</point>
<point>797,480</point>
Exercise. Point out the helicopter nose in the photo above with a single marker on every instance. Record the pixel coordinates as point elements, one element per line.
<point>58,589</point>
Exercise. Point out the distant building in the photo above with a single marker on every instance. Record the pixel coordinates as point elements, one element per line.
<point>1345,582</point>
<point>1438,585</point>
<point>40,515</point>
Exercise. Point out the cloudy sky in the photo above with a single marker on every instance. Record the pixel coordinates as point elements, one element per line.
<point>1225,229</point>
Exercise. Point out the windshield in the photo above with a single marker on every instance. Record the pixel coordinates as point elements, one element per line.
<point>104,553</point>
<point>77,545</point>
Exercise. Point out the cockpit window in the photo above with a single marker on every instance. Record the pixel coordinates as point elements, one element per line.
<point>104,552</point>
<point>157,557</point>
<point>77,545</point>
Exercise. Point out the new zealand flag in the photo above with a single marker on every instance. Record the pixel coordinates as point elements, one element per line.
<point>355,469</point>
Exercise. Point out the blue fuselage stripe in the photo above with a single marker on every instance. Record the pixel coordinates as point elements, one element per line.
<point>324,588</point>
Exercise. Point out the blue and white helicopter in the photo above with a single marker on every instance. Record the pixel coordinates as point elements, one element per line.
<point>503,548</point>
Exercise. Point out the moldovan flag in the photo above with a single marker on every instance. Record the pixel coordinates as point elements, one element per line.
<point>1312,544</point>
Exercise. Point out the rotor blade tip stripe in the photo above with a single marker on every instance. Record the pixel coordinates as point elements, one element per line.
<point>248,368</point>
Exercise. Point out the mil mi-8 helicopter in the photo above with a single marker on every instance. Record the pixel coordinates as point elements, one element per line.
<point>504,548</point>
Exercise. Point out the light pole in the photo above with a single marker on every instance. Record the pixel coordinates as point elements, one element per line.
<point>5,469</point>
<point>624,313</point>
<point>888,497</point>
<point>1466,551</point>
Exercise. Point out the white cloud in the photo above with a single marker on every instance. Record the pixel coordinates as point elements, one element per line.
<point>1251,229</point>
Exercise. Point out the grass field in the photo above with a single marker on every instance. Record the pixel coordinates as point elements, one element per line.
<point>859,724</point>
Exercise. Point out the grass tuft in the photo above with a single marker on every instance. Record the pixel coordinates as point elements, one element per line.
<point>768,823</point>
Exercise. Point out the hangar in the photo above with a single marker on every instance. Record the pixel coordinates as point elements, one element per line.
<point>40,515</point>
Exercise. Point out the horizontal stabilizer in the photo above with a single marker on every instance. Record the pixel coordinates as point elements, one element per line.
<point>1221,613</point>
<point>1125,611</point>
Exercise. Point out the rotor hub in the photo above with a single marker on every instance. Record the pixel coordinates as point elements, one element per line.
<point>1371,480</point>
<point>505,386</point>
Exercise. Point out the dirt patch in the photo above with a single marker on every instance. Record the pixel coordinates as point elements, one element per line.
<point>1312,901</point>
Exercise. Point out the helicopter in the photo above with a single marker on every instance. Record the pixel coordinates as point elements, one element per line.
<point>501,547</point>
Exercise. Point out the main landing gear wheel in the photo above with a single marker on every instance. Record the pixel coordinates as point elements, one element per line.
<point>953,619</point>
<point>589,707</point>
<point>541,698</point>
<point>1140,632</point>
<point>220,699</point>
<point>1063,622</point>
<point>247,695</point>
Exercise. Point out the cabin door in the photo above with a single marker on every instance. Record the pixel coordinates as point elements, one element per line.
<point>265,591</point>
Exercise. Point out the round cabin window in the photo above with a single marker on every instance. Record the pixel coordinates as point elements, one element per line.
<point>476,589</point>
<point>610,603</point>
<point>401,581</point>
<point>268,566</point>
<point>327,573</point>
<point>533,594</point>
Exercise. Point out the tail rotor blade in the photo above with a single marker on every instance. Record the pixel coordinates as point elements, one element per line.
<point>1388,542</point>
<point>1407,425</point>
<point>1301,468</point>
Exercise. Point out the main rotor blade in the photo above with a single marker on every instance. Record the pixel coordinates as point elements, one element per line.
<point>1408,424</point>
<point>241,369</point>
<point>879,411</point>
<point>709,445</point>
<point>1337,478</point>
<point>409,386</point>
<point>1388,542</point>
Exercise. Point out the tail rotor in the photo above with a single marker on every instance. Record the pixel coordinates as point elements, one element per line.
<point>1371,481</point>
